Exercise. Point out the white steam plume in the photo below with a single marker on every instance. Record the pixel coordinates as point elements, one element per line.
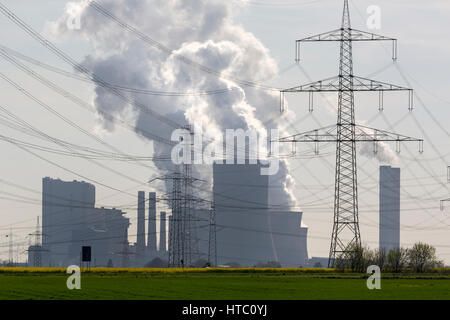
<point>384,154</point>
<point>201,30</point>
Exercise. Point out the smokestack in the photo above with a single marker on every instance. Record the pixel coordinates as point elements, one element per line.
<point>170,233</point>
<point>151,240</point>
<point>162,231</point>
<point>140,242</point>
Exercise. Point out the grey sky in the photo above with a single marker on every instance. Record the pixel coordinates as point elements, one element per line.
<point>422,29</point>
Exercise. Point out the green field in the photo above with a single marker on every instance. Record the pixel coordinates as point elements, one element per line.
<point>291,285</point>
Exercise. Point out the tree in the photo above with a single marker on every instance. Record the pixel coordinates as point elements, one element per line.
<point>397,259</point>
<point>422,256</point>
<point>380,257</point>
<point>357,258</point>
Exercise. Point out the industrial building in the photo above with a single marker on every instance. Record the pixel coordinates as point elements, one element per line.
<point>146,247</point>
<point>249,232</point>
<point>389,208</point>
<point>70,220</point>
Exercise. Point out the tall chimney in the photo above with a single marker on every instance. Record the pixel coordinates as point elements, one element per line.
<point>170,234</point>
<point>162,231</point>
<point>151,240</point>
<point>140,242</point>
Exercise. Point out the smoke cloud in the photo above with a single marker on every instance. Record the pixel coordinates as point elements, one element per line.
<point>201,30</point>
<point>384,154</point>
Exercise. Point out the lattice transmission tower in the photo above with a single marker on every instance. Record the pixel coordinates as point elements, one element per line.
<point>346,133</point>
<point>212,239</point>
<point>10,248</point>
<point>37,248</point>
<point>183,240</point>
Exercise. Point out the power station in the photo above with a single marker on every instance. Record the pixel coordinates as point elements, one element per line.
<point>237,225</point>
<point>248,231</point>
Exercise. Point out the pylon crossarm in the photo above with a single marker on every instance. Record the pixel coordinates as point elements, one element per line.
<point>362,134</point>
<point>359,84</point>
<point>358,35</point>
<point>355,35</point>
<point>329,84</point>
<point>326,134</point>
<point>333,35</point>
<point>364,84</point>
<point>367,134</point>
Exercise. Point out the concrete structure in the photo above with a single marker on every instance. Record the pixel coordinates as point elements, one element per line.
<point>151,242</point>
<point>65,207</point>
<point>389,208</point>
<point>140,239</point>
<point>106,232</point>
<point>162,231</point>
<point>37,256</point>
<point>248,232</point>
<point>70,220</point>
<point>170,230</point>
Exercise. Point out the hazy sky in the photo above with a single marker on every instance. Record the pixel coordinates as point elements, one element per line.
<point>424,50</point>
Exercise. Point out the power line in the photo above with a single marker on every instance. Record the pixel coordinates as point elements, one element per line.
<point>65,73</point>
<point>95,5</point>
<point>80,68</point>
<point>346,133</point>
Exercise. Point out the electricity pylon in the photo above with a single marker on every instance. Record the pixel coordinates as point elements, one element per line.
<point>346,235</point>
<point>212,239</point>
<point>37,249</point>
<point>183,240</point>
<point>10,249</point>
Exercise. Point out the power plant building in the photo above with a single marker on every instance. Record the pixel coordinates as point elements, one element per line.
<point>70,221</point>
<point>162,232</point>
<point>151,243</point>
<point>389,203</point>
<point>249,232</point>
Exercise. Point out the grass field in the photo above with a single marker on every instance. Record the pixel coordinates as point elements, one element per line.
<point>290,284</point>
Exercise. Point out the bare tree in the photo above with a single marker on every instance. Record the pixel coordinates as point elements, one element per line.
<point>380,257</point>
<point>422,257</point>
<point>397,259</point>
<point>357,258</point>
